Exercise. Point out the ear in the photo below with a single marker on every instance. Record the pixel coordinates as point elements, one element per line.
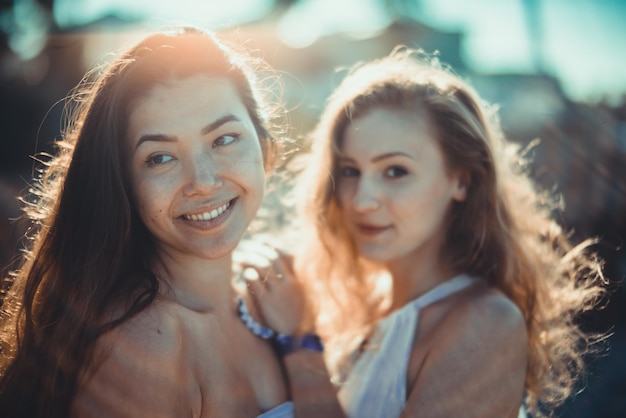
<point>462,184</point>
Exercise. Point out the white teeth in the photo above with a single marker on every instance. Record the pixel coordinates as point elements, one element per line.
<point>207,216</point>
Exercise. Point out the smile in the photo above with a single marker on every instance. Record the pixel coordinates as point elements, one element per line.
<point>207,216</point>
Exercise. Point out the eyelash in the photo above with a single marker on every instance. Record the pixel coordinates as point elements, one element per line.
<point>221,139</point>
<point>392,172</point>
<point>150,161</point>
<point>349,172</point>
<point>403,171</point>
<point>219,142</point>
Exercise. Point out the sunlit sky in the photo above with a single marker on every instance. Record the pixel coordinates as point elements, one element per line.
<point>583,42</point>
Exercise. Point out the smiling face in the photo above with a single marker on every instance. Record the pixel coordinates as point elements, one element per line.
<point>196,166</point>
<point>393,187</point>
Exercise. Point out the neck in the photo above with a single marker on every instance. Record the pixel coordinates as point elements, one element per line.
<point>196,283</point>
<point>414,275</point>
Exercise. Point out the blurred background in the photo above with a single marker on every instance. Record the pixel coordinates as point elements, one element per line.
<point>556,68</point>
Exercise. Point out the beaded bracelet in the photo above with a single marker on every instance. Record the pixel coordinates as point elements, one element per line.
<point>287,344</point>
<point>252,325</point>
<point>284,344</point>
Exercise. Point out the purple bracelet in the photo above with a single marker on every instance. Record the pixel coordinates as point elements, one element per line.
<point>253,326</point>
<point>287,344</point>
<point>283,343</point>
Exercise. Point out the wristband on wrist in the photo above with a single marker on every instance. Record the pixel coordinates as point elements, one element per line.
<point>284,344</point>
<point>287,344</point>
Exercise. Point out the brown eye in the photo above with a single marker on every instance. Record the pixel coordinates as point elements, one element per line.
<point>349,172</point>
<point>158,159</point>
<point>396,171</point>
<point>225,140</point>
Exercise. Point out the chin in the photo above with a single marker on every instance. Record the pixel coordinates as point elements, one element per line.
<point>214,250</point>
<point>221,251</point>
<point>375,256</point>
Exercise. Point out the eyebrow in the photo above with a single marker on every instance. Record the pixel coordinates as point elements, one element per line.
<point>381,156</point>
<point>207,129</point>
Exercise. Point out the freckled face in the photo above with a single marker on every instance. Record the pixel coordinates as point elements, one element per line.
<point>393,187</point>
<point>196,166</point>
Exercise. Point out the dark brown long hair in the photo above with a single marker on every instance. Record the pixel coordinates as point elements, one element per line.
<point>502,233</point>
<point>91,253</point>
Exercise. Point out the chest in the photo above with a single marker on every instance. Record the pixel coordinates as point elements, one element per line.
<point>237,373</point>
<point>389,364</point>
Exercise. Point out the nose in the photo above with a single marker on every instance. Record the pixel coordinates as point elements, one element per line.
<point>203,176</point>
<point>366,196</point>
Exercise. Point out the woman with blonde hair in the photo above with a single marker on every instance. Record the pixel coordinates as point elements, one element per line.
<point>444,287</point>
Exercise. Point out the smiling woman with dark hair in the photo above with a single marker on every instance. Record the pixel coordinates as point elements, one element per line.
<point>126,304</point>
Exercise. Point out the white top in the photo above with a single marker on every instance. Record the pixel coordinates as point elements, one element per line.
<point>284,410</point>
<point>376,386</point>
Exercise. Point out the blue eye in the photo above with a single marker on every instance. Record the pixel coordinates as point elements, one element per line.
<point>396,171</point>
<point>158,159</point>
<point>348,172</point>
<point>225,140</point>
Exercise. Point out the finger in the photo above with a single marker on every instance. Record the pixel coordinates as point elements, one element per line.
<point>284,270</point>
<point>264,275</point>
<point>283,254</point>
<point>286,259</point>
<point>250,273</point>
<point>255,286</point>
<point>274,276</point>
<point>277,272</point>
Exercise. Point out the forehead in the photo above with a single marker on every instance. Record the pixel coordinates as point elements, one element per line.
<point>178,104</point>
<point>385,130</point>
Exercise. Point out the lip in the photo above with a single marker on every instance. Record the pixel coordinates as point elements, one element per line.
<point>208,217</point>
<point>370,230</point>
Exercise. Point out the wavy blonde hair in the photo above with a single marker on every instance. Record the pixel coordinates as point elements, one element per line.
<point>503,232</point>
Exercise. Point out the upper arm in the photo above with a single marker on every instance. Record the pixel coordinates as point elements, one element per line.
<point>476,363</point>
<point>136,373</point>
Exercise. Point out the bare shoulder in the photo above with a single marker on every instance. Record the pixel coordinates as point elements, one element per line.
<point>488,314</point>
<point>156,330</point>
<point>473,362</point>
<point>151,336</point>
<point>138,370</point>
<point>484,325</point>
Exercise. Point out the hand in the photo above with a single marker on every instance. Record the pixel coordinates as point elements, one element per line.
<point>274,287</point>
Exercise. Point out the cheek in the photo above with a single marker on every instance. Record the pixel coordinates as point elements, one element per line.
<point>247,175</point>
<point>434,202</point>
<point>417,201</point>
<point>249,167</point>
<point>149,199</point>
<point>257,184</point>
<point>343,194</point>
